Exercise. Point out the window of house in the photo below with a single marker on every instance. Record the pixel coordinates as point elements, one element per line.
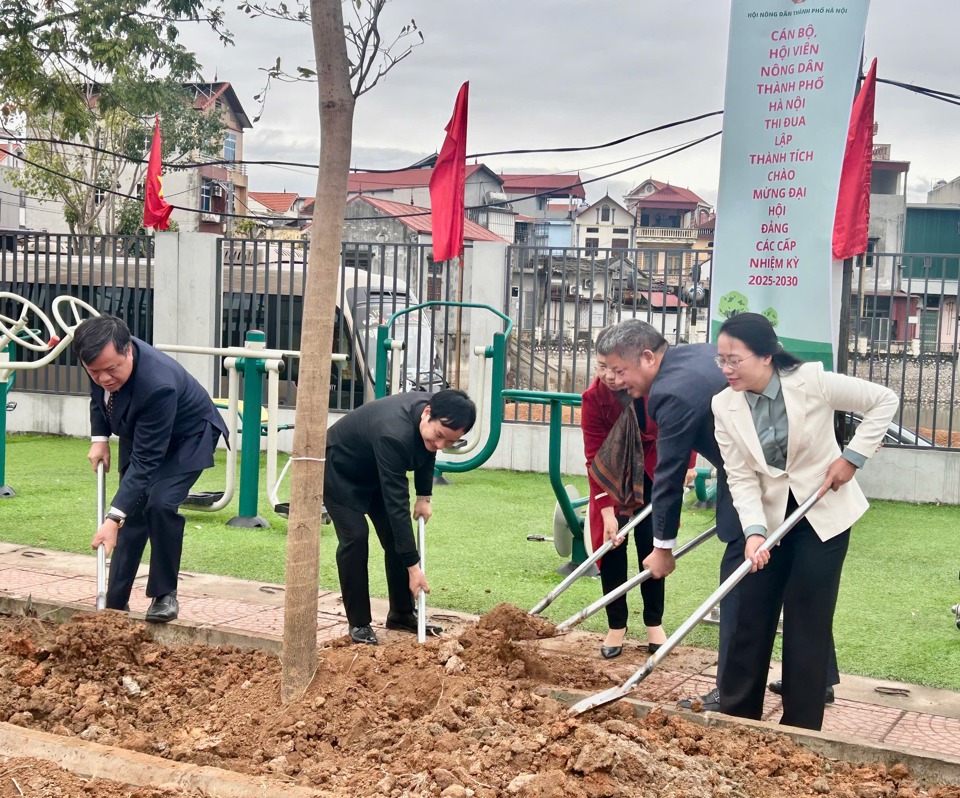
<point>592,245</point>
<point>644,219</point>
<point>515,291</point>
<point>230,146</point>
<point>99,195</point>
<point>620,243</point>
<point>605,213</point>
<point>674,263</point>
<point>872,243</point>
<point>593,229</point>
<point>621,231</point>
<point>206,196</point>
<point>434,289</point>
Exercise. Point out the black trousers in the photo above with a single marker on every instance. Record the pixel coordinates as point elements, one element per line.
<point>613,573</point>
<point>156,518</point>
<point>353,552</point>
<point>803,579</point>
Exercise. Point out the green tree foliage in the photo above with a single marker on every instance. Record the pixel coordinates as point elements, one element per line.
<point>733,303</point>
<point>84,178</point>
<point>51,49</point>
<point>770,314</point>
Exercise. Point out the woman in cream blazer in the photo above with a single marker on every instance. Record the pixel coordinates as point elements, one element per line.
<point>774,426</point>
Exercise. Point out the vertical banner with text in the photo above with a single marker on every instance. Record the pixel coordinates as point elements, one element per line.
<point>791,72</point>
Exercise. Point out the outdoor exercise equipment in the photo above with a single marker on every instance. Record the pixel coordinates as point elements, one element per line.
<point>581,569</point>
<point>623,690</point>
<point>252,361</point>
<point>630,584</point>
<point>705,488</point>
<point>101,549</point>
<point>20,332</point>
<point>569,537</point>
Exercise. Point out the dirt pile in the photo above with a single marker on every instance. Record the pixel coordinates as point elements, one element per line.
<point>34,777</point>
<point>458,717</point>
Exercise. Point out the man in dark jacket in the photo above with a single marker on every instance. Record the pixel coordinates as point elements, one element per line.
<point>168,429</point>
<point>369,453</point>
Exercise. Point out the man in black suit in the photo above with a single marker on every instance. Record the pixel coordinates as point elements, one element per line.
<point>168,429</point>
<point>680,383</point>
<point>369,452</point>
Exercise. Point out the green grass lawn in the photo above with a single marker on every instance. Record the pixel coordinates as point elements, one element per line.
<point>893,619</point>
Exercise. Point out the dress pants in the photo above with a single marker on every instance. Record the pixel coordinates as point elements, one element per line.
<point>803,578</point>
<point>613,573</point>
<point>353,552</point>
<point>156,518</point>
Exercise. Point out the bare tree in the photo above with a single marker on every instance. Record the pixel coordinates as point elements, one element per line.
<point>342,76</point>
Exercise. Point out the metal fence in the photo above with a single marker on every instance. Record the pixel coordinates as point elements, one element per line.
<point>112,273</point>
<point>263,288</point>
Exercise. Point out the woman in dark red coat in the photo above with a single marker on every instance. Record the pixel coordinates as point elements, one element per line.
<point>602,406</point>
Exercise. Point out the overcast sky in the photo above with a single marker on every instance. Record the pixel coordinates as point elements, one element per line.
<point>551,73</point>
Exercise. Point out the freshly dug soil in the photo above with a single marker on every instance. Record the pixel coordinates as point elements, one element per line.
<point>34,777</point>
<point>457,717</point>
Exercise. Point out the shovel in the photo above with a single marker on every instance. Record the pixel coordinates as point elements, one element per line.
<point>421,596</point>
<point>101,549</point>
<point>630,584</point>
<point>621,691</point>
<point>547,600</point>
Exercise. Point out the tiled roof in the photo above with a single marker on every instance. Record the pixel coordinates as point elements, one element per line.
<point>538,184</point>
<point>420,219</point>
<point>277,201</point>
<point>657,184</point>
<point>661,299</point>
<point>207,94</point>
<point>359,182</point>
<point>671,195</point>
<point>4,152</point>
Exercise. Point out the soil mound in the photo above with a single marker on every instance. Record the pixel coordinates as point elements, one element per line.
<point>456,718</point>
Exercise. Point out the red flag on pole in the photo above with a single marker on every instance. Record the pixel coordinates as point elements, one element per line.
<point>156,211</point>
<point>853,201</point>
<point>447,184</point>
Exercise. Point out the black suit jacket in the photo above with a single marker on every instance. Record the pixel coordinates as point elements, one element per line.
<point>166,422</point>
<point>679,403</point>
<point>370,451</point>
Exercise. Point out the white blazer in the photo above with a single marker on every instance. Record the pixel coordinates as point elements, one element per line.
<point>811,395</point>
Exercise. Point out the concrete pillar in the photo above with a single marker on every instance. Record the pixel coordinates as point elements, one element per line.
<point>187,291</point>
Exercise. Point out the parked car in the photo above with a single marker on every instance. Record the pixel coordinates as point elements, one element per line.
<point>897,434</point>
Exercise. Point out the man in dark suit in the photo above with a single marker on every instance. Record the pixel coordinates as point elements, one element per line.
<point>680,383</point>
<point>168,429</point>
<point>369,452</point>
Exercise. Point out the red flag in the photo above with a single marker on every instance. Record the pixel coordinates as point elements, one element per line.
<point>447,184</point>
<point>156,212</point>
<point>853,201</point>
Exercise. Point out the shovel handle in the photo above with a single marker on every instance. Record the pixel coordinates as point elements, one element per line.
<point>101,549</point>
<point>421,596</point>
<point>616,693</point>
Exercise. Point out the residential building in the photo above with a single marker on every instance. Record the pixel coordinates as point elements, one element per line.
<point>213,192</point>
<point>277,213</point>
<point>10,195</point>
<point>669,224</point>
<point>483,196</point>
<point>552,199</point>
<point>604,225</point>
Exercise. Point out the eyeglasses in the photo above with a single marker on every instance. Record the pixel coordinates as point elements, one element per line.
<point>732,363</point>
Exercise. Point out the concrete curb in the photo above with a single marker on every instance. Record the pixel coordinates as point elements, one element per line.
<point>93,760</point>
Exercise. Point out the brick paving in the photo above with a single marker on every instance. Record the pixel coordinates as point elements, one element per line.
<point>860,712</point>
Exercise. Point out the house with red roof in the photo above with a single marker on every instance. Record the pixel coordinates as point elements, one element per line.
<point>552,199</point>
<point>483,196</point>
<point>604,225</point>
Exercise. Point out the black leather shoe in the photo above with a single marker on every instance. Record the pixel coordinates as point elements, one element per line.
<point>653,648</point>
<point>363,634</point>
<point>163,609</point>
<point>709,702</point>
<point>610,652</point>
<point>777,689</point>
<point>408,623</point>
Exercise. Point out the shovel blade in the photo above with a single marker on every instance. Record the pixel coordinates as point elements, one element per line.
<point>600,699</point>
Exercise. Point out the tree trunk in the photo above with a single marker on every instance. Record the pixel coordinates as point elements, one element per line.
<point>313,390</point>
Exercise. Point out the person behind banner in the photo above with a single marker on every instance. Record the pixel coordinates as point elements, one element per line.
<point>605,412</point>
<point>168,429</point>
<point>774,427</point>
<point>369,452</point>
